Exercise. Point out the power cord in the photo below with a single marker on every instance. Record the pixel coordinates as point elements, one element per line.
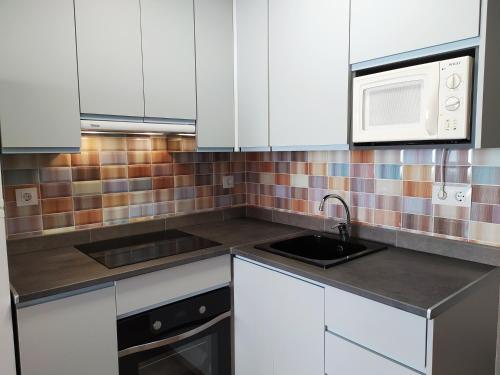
<point>442,194</point>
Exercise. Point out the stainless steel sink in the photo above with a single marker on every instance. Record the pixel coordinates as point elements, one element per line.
<point>321,249</point>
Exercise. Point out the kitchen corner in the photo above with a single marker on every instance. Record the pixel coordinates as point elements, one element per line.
<point>412,282</point>
<point>249,187</point>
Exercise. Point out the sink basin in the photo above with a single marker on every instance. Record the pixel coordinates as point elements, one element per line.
<point>321,249</point>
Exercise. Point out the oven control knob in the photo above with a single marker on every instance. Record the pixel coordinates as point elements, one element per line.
<point>453,81</point>
<point>452,103</point>
<point>202,310</point>
<point>157,325</point>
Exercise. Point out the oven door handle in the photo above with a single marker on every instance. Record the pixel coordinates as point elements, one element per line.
<point>174,339</point>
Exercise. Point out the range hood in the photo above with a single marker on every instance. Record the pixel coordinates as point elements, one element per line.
<point>137,125</point>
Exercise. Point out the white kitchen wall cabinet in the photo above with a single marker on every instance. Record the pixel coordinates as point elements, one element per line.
<point>388,27</point>
<point>279,323</point>
<point>108,36</point>
<point>252,66</point>
<point>487,131</point>
<point>39,108</point>
<point>215,73</point>
<point>169,58</point>
<point>308,73</point>
<point>74,335</point>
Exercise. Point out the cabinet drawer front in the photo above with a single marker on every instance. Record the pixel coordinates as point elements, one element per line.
<point>391,332</point>
<point>343,357</point>
<point>158,288</point>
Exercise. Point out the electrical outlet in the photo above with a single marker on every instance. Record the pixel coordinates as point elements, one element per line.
<point>456,195</point>
<point>460,196</point>
<point>26,197</point>
<point>228,182</point>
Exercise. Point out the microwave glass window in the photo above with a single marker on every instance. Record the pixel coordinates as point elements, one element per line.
<point>195,358</point>
<point>393,104</point>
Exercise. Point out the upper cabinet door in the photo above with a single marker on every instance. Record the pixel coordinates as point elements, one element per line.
<point>252,51</point>
<point>39,109</point>
<point>169,58</point>
<point>109,57</point>
<point>215,72</point>
<point>388,27</point>
<point>308,72</point>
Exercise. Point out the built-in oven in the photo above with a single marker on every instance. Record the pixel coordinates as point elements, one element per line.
<point>188,337</point>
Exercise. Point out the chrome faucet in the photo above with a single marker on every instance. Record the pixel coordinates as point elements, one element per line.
<point>342,227</point>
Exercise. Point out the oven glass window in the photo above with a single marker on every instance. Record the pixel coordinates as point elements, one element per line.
<point>193,358</point>
<point>394,104</point>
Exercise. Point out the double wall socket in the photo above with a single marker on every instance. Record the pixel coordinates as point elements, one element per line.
<point>459,195</point>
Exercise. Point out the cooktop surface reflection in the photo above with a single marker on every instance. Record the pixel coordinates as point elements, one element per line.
<point>140,248</point>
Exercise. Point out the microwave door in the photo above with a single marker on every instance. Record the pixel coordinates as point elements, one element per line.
<point>396,105</point>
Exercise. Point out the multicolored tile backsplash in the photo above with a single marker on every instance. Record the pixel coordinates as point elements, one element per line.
<point>118,179</point>
<point>387,188</point>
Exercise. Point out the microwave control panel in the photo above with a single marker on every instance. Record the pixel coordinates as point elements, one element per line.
<point>455,78</point>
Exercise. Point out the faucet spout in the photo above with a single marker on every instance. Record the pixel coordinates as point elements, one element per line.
<point>342,227</point>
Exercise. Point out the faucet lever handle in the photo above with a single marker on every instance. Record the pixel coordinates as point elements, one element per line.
<point>341,225</point>
<point>343,231</point>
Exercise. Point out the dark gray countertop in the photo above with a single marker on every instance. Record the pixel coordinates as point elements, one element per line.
<point>45,273</point>
<point>420,283</point>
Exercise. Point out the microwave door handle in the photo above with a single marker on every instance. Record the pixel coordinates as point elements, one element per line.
<point>174,339</point>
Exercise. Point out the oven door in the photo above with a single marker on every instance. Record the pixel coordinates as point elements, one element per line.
<point>397,105</point>
<point>201,350</point>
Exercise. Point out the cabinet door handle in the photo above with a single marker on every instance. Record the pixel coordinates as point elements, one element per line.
<point>174,339</point>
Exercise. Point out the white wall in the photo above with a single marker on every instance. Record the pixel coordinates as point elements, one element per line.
<point>7,356</point>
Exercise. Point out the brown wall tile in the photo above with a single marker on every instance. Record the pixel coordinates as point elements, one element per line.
<point>90,158</point>
<point>113,172</point>
<point>136,171</point>
<point>88,202</point>
<point>417,189</point>
<point>86,173</point>
<point>88,217</point>
<point>115,200</point>
<point>56,205</point>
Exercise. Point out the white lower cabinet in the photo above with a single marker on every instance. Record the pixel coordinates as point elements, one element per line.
<point>395,333</point>
<point>279,323</point>
<point>280,329</point>
<point>73,335</point>
<point>345,358</point>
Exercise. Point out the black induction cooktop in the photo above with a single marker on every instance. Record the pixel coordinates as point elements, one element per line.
<point>140,248</point>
